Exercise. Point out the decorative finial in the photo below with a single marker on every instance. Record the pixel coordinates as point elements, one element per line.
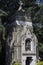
<point>20,8</point>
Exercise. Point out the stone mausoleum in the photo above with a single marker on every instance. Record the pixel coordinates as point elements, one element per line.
<point>25,42</point>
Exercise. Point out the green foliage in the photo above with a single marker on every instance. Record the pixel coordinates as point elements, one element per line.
<point>10,6</point>
<point>40,63</point>
<point>17,63</point>
<point>3,13</point>
<point>37,19</point>
<point>28,3</point>
<point>2,38</point>
<point>40,46</point>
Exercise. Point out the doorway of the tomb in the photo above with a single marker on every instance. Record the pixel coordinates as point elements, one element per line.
<point>28,60</point>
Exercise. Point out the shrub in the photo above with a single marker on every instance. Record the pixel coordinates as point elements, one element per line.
<point>17,63</point>
<point>40,63</point>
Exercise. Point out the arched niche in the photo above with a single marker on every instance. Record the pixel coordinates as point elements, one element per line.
<point>27,44</point>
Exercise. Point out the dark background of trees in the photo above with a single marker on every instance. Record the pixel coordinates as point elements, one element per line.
<point>11,6</point>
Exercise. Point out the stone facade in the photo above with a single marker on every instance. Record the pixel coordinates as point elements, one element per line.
<point>25,43</point>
